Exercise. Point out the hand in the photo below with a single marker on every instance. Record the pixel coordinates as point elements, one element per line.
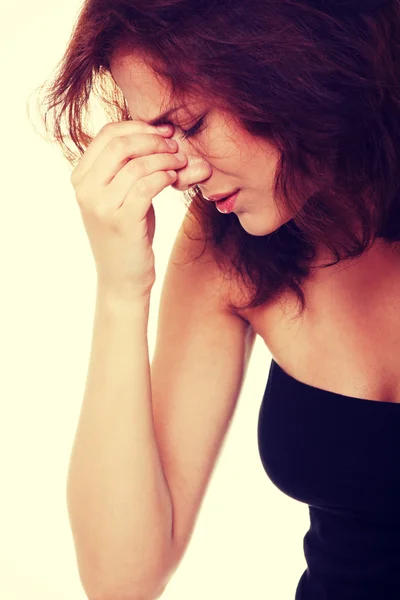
<point>124,167</point>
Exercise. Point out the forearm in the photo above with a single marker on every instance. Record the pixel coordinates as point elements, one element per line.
<point>119,502</point>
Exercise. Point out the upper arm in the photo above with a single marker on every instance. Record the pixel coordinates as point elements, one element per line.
<point>200,360</point>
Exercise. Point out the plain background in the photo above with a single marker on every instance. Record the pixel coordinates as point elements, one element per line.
<point>248,541</point>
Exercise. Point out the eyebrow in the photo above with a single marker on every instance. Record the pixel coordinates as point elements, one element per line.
<point>160,120</point>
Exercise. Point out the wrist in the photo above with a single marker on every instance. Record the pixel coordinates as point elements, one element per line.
<point>121,297</point>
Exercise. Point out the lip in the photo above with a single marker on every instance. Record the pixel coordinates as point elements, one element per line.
<point>219,197</point>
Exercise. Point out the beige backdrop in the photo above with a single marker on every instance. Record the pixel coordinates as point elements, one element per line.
<point>248,542</point>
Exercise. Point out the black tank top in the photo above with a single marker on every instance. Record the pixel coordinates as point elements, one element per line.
<point>340,455</point>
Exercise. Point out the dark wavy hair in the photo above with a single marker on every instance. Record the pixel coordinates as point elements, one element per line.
<point>318,79</point>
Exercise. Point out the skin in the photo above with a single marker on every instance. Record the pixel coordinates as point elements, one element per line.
<point>229,159</point>
<point>221,157</point>
<point>351,306</point>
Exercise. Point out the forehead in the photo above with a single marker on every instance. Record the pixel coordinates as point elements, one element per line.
<point>142,89</point>
<point>147,94</point>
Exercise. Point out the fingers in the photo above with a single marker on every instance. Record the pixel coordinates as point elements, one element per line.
<point>141,168</point>
<point>123,149</point>
<point>97,146</point>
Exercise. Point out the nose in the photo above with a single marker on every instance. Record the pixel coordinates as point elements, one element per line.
<point>193,170</point>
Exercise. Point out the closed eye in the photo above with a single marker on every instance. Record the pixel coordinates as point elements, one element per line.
<point>193,130</point>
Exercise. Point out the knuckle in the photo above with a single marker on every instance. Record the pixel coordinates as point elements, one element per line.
<point>100,212</point>
<point>166,160</point>
<point>137,167</point>
<point>159,142</point>
<point>141,185</point>
<point>168,143</point>
<point>82,200</point>
<point>82,196</point>
<point>107,129</point>
<point>118,144</point>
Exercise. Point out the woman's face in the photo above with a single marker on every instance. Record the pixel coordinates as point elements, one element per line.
<point>221,156</point>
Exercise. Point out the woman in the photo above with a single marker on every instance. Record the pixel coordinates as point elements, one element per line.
<point>295,105</point>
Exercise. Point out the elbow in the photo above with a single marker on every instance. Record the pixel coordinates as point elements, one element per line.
<point>151,587</point>
<point>127,596</point>
<point>149,594</point>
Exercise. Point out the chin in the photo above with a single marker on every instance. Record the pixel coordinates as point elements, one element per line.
<point>256,226</point>
<point>256,230</point>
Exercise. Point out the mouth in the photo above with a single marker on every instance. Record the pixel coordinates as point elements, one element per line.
<point>219,197</point>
